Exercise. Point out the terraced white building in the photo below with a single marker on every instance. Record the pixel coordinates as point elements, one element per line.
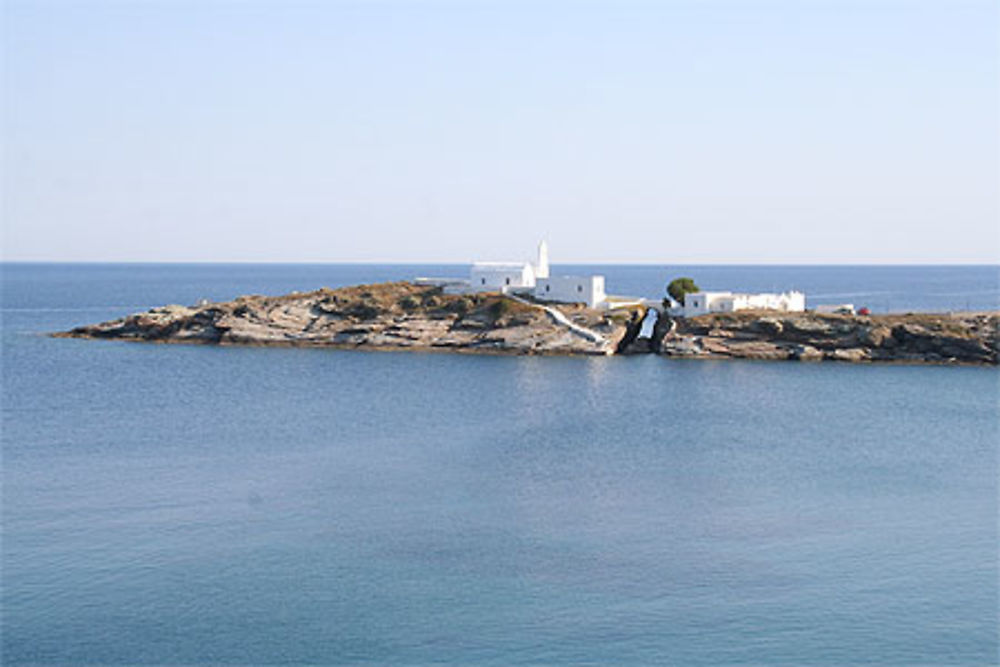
<point>701,303</point>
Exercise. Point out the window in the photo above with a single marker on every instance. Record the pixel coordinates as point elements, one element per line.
<point>579,288</point>
<point>484,280</point>
<point>508,281</point>
<point>548,288</point>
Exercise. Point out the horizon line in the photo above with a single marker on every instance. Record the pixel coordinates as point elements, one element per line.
<point>372,262</point>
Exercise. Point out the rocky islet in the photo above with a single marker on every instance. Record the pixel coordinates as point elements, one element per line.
<point>402,315</point>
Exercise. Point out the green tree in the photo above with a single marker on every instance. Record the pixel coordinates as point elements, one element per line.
<point>678,287</point>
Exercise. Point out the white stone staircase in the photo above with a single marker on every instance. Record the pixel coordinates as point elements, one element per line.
<point>560,318</point>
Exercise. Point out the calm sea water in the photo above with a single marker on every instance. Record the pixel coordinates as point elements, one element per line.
<point>185,504</point>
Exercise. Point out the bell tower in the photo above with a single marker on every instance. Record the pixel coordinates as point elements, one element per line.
<point>542,265</point>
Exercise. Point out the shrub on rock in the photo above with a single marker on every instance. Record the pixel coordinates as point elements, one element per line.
<point>678,287</point>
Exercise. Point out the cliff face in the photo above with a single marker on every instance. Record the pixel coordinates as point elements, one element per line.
<point>920,337</point>
<point>389,315</point>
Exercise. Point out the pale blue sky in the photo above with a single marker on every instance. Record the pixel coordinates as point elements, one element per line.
<point>749,131</point>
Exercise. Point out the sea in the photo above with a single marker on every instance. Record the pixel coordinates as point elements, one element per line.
<point>174,504</point>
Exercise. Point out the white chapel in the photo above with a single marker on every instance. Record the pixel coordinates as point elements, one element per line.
<point>508,276</point>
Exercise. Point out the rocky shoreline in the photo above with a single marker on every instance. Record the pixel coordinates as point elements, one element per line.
<point>401,315</point>
<point>967,338</point>
<point>391,316</point>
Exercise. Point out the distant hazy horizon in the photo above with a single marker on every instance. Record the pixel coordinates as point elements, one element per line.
<point>638,263</point>
<point>716,132</point>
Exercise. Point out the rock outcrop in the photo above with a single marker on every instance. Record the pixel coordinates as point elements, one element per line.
<point>388,316</point>
<point>918,337</point>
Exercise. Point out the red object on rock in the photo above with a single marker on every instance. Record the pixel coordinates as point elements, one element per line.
<point>864,311</point>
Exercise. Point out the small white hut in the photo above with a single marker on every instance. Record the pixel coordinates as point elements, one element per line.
<point>588,290</point>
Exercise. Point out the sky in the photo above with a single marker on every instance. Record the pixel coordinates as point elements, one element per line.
<point>686,131</point>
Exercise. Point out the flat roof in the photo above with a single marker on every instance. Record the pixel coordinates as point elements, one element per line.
<point>500,265</point>
<point>562,277</point>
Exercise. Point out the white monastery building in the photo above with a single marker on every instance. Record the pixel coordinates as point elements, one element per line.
<point>534,280</point>
<point>531,279</point>
<point>701,303</point>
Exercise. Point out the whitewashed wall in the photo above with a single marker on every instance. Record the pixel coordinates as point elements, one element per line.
<point>572,289</point>
<point>700,303</point>
<point>500,277</point>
